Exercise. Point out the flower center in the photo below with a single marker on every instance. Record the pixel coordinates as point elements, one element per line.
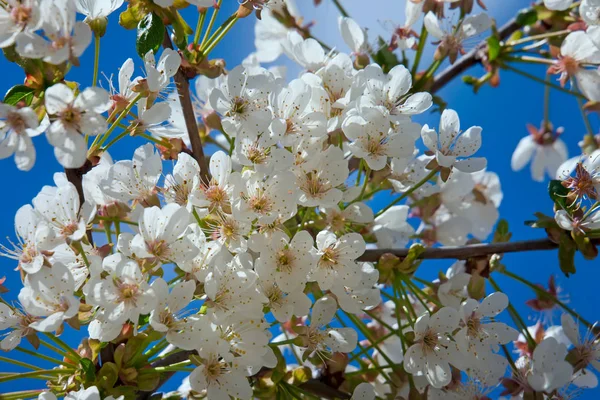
<point>21,15</point>
<point>16,122</point>
<point>285,260</point>
<point>71,116</point>
<point>159,249</point>
<point>329,258</point>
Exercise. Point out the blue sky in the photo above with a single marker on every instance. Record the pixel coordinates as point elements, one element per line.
<point>503,113</point>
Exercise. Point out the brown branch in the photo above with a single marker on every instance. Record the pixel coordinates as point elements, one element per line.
<point>183,90</point>
<point>471,58</point>
<point>75,176</point>
<point>468,251</point>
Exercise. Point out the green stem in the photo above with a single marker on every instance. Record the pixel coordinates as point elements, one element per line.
<point>43,357</point>
<point>516,318</point>
<point>39,374</point>
<point>541,291</point>
<point>211,22</point>
<point>530,60</point>
<point>79,247</point>
<point>419,54</point>
<point>409,191</point>
<point>538,37</point>
<point>539,80</point>
<point>340,8</point>
<point>199,26</point>
<point>547,102</point>
<point>221,34</point>
<point>96,59</point>
<point>100,139</point>
<point>65,346</point>
<point>19,363</point>
<point>157,348</point>
<point>586,120</point>
<point>24,394</point>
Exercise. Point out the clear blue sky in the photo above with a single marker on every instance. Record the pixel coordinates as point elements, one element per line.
<point>502,112</point>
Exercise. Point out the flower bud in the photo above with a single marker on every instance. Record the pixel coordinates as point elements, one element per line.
<point>212,120</point>
<point>361,61</point>
<point>98,25</point>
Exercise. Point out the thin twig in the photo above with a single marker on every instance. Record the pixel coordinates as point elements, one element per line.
<point>468,251</point>
<point>183,90</point>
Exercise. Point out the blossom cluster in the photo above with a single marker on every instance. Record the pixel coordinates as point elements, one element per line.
<point>275,229</point>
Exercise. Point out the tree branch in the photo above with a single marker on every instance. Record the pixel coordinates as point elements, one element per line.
<point>468,251</point>
<point>183,90</point>
<point>75,176</point>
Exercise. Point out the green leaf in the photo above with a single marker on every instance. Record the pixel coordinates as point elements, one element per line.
<point>150,33</point>
<point>543,221</point>
<point>107,376</point>
<point>89,370</point>
<point>384,57</point>
<point>493,48</point>
<point>502,233</point>
<point>558,193</point>
<point>566,254</point>
<point>17,94</point>
<point>527,17</point>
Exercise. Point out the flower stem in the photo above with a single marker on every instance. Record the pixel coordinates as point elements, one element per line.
<point>549,297</point>
<point>516,318</point>
<point>19,363</point>
<point>340,8</point>
<point>538,37</point>
<point>419,54</point>
<point>39,374</point>
<point>43,357</point>
<point>409,191</point>
<point>96,59</point>
<point>199,26</point>
<point>219,35</point>
<point>211,22</point>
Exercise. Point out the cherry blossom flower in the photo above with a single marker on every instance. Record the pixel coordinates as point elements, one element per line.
<point>17,127</point>
<point>546,149</point>
<point>391,228</point>
<point>337,259</point>
<point>289,262</point>
<point>97,9</point>
<point>317,181</point>
<point>49,293</point>
<point>136,180</point>
<point>242,102</point>
<point>123,295</point>
<point>34,237</point>
<point>364,296</point>
<point>317,339</point>
<point>62,211</point>
<point>578,49</point>
<point>19,16</point>
<point>451,143</point>
<point>452,38</point>
<point>354,36</point>
<point>68,38</point>
<point>74,118</point>
<point>549,369</point>
<point>589,10</point>
<point>559,5</point>
<point>162,235</point>
<point>374,141</point>
<point>390,93</point>
<point>167,316</point>
<point>433,351</point>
